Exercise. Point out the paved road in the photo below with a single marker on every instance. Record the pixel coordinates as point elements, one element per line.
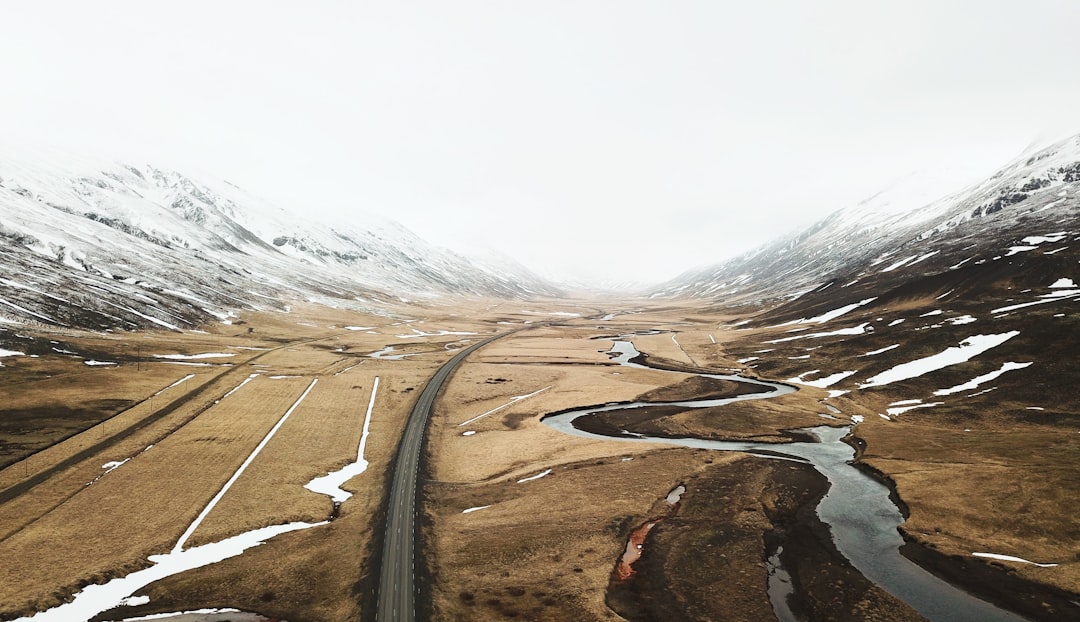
<point>397,587</point>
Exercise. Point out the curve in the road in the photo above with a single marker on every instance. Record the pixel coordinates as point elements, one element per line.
<point>397,585</point>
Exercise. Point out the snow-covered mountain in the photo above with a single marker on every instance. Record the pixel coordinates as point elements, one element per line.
<point>904,295</point>
<point>110,245</point>
<point>898,234</point>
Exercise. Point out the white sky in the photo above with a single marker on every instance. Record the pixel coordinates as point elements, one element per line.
<point>559,132</point>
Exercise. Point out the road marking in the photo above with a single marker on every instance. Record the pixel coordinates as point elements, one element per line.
<point>221,493</point>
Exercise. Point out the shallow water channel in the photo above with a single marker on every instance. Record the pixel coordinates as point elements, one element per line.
<point>861,516</point>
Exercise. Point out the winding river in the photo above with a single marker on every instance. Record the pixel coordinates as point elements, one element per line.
<point>861,516</point>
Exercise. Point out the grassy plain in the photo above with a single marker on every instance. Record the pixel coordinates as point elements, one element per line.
<point>539,548</point>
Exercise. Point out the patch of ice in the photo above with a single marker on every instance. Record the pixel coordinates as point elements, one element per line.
<point>822,383</point>
<point>1063,294</point>
<point>931,313</point>
<point>177,383</point>
<point>830,315</point>
<point>468,433</point>
<point>1010,558</point>
<point>853,330</point>
<point>955,266</point>
<point>237,387</point>
<point>968,348</point>
<point>1063,283</point>
<point>899,410</point>
<point>1043,239</point>
<point>885,349</point>
<point>4,353</point>
<point>905,402</point>
<point>513,400</point>
<point>191,357</point>
<point>535,477</point>
<point>1016,250</point>
<point>99,363</point>
<point>896,322</point>
<point>112,466</point>
<point>384,354</point>
<point>899,264</point>
<point>837,393</point>
<point>978,380</point>
<point>440,333</point>
<point>961,320</point>
<point>94,599</point>
<point>476,509</point>
<point>747,359</point>
<point>202,614</point>
<point>857,419</point>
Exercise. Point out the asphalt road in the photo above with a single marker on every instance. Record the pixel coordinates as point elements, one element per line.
<point>397,585</point>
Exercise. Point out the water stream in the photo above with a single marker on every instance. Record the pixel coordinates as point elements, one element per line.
<point>861,516</point>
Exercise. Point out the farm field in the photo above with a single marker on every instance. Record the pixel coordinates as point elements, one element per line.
<point>174,418</point>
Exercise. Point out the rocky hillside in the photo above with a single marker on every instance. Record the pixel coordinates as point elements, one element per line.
<point>111,245</point>
<point>936,306</point>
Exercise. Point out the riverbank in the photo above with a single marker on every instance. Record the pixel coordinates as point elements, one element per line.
<point>707,561</point>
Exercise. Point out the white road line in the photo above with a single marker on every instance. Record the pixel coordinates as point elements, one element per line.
<point>513,400</point>
<point>221,493</point>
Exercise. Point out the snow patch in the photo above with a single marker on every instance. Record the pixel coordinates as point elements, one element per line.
<point>192,357</point>
<point>830,315</point>
<point>822,383</point>
<point>978,380</point>
<point>1010,558</point>
<point>885,349</point>
<point>968,348</point>
<point>899,410</point>
<point>535,477</point>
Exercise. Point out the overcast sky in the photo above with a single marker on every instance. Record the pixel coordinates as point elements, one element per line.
<point>618,139</point>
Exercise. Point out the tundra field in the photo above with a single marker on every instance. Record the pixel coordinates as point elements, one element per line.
<point>151,452</point>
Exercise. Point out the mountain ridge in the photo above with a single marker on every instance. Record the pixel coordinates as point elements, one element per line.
<point>110,233</point>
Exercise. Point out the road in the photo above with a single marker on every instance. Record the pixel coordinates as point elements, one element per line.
<point>397,585</point>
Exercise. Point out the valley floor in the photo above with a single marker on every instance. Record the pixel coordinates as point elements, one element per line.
<point>184,440</point>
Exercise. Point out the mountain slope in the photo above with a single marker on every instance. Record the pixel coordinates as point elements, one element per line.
<point>886,240</point>
<point>111,245</point>
<point>867,290</point>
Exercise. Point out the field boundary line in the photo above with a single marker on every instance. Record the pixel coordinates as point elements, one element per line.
<point>513,400</point>
<point>232,480</point>
<point>367,422</point>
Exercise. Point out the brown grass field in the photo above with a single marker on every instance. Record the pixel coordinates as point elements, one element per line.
<point>541,549</point>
